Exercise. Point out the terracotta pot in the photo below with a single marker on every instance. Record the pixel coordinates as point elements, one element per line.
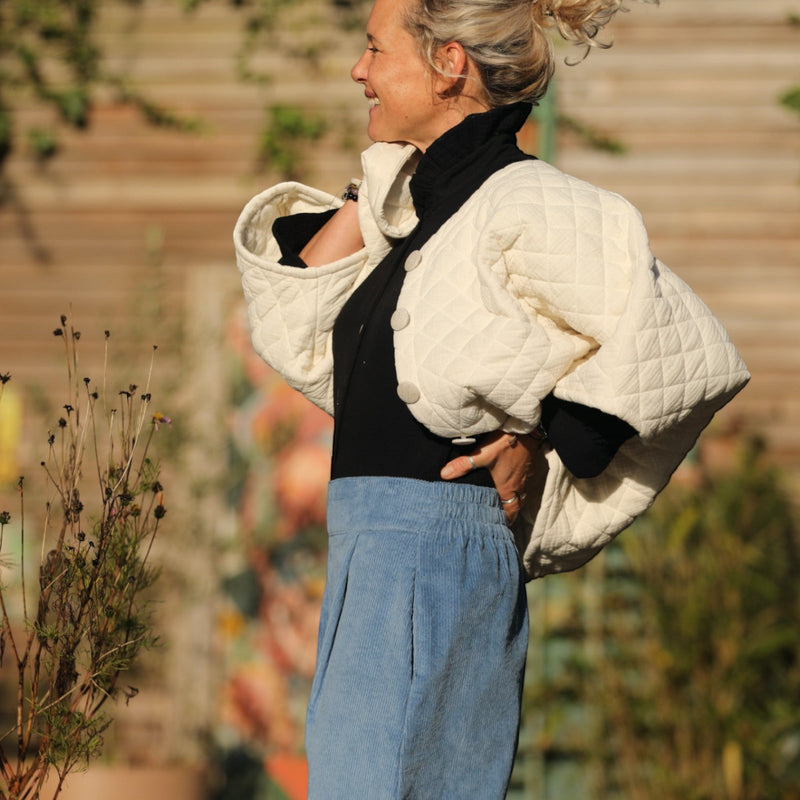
<point>131,783</point>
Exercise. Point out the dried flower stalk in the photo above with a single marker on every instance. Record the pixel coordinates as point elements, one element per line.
<point>86,620</point>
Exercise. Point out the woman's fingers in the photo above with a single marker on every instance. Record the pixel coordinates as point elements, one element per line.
<point>509,460</point>
<point>512,505</point>
<point>484,456</point>
<point>458,467</point>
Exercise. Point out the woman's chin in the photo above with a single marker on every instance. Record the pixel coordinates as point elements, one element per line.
<point>374,131</point>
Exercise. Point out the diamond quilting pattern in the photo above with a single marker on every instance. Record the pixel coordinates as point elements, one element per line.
<point>539,283</point>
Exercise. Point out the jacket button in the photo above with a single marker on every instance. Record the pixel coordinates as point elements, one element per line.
<point>400,319</point>
<point>413,261</point>
<point>408,392</point>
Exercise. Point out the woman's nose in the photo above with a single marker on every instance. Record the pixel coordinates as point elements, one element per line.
<point>359,72</point>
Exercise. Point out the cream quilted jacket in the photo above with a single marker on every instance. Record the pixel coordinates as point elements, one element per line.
<point>539,283</point>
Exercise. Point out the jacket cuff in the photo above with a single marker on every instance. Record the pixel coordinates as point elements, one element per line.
<point>294,232</point>
<point>585,439</point>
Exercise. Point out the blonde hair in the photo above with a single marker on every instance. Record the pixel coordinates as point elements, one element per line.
<point>508,40</point>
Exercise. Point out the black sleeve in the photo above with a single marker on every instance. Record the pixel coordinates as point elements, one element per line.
<point>293,233</point>
<point>585,438</point>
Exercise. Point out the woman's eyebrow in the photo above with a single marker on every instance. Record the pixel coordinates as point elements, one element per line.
<point>372,39</point>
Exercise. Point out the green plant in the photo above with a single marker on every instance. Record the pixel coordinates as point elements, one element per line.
<point>590,136</point>
<point>71,645</point>
<point>713,713</point>
<point>49,52</point>
<point>282,138</point>
<point>791,99</point>
<point>678,650</point>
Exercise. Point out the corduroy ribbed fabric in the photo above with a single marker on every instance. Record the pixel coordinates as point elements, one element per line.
<point>422,645</point>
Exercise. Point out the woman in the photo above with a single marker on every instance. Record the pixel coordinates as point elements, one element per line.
<point>497,345</point>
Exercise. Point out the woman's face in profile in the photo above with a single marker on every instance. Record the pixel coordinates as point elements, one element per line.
<point>398,83</point>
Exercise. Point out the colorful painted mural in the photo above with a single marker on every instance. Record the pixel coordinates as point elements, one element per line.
<point>279,459</point>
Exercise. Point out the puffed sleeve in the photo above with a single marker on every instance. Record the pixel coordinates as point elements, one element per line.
<point>292,311</point>
<point>578,258</point>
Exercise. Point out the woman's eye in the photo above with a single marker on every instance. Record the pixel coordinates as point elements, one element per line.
<point>372,49</point>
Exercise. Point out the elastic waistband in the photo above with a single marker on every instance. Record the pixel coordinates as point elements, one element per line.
<point>386,503</point>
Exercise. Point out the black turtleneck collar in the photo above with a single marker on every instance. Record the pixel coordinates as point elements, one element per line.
<point>486,141</point>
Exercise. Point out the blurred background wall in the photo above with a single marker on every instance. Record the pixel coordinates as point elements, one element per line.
<point>124,223</point>
<point>126,215</point>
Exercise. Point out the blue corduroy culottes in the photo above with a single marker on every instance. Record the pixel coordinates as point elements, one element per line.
<point>422,645</point>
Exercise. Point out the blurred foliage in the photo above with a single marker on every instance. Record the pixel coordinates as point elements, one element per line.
<point>282,138</point>
<point>301,32</point>
<point>590,136</point>
<point>49,53</point>
<point>684,668</point>
<point>791,99</point>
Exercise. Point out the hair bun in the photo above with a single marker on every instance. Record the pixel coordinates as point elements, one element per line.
<point>576,21</point>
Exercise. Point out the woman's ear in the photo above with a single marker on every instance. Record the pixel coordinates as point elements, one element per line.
<point>452,63</point>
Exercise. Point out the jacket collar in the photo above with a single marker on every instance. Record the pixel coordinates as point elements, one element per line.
<point>465,146</point>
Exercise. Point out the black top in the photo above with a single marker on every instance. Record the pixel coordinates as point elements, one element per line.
<point>374,431</point>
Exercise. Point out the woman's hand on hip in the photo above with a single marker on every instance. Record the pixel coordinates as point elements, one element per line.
<point>509,459</point>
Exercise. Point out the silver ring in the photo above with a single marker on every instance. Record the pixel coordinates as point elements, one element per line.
<point>472,462</point>
<point>510,499</point>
